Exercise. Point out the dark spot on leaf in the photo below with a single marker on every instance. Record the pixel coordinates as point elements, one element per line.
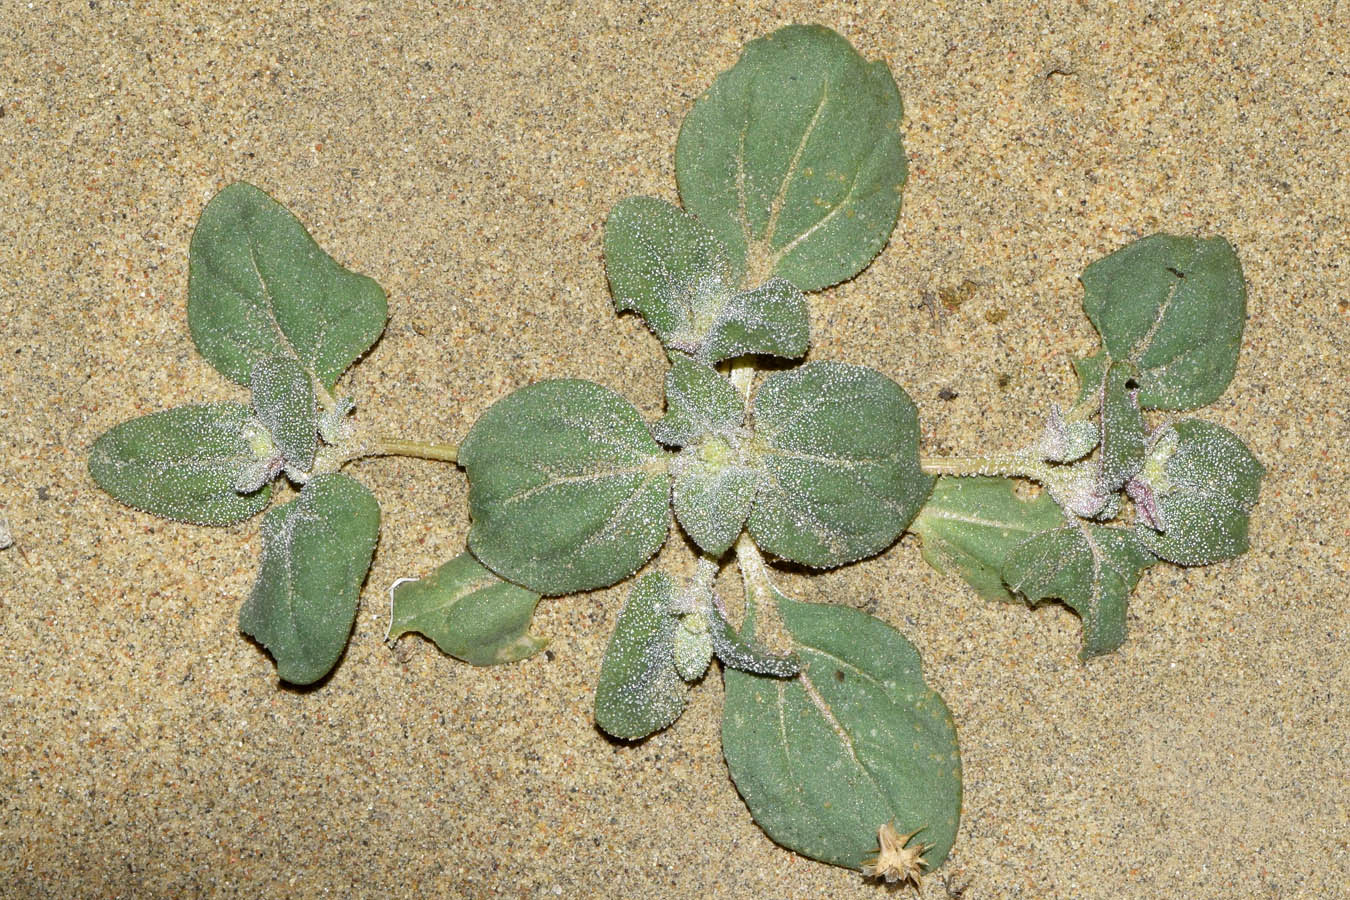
<point>838,675</point>
<point>1131,384</point>
<point>947,394</point>
<point>1176,272</point>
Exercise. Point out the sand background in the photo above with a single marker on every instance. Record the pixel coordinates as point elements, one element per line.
<point>466,158</point>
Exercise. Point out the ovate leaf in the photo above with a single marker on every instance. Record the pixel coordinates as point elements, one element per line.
<point>283,398</point>
<point>258,286</point>
<point>567,490</point>
<point>181,463</point>
<point>670,268</point>
<point>713,494</point>
<point>469,612</point>
<point>1122,428</point>
<point>838,446</point>
<point>1205,483</point>
<point>856,741</point>
<point>316,552</point>
<point>793,158</point>
<point>699,402</point>
<point>1175,307</point>
<point>1092,568</point>
<point>640,691</point>
<point>969,526</point>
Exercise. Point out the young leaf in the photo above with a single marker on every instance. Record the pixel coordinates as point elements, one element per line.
<point>970,524</point>
<point>1205,483</point>
<point>567,490</point>
<point>640,691</point>
<point>470,613</point>
<point>1175,307</point>
<point>699,402</point>
<point>855,741</point>
<point>181,463</point>
<point>793,158</point>
<point>316,552</point>
<point>258,286</point>
<point>744,652</point>
<point>1091,568</point>
<point>839,449</point>
<point>692,649</point>
<point>669,267</point>
<point>713,494</point>
<point>283,398</point>
<point>1122,428</point>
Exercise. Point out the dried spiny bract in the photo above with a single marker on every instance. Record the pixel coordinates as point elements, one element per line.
<point>894,861</point>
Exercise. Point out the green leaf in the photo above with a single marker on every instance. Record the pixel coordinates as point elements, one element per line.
<point>793,158</point>
<point>1092,568</point>
<point>1091,372</point>
<point>839,447</point>
<point>470,613</point>
<point>258,286</point>
<point>640,691</point>
<point>699,402</point>
<point>181,463</point>
<point>1175,307</point>
<point>567,490</point>
<point>1205,482</point>
<point>693,648</point>
<point>316,553</point>
<point>855,741</point>
<point>713,494</point>
<point>670,268</point>
<point>970,524</point>
<point>283,397</point>
<point>1122,428</point>
<point>744,652</point>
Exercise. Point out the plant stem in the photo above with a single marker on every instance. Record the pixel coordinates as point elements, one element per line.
<point>1014,465</point>
<point>387,446</point>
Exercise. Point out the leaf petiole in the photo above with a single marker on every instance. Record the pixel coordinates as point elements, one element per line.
<point>387,446</point>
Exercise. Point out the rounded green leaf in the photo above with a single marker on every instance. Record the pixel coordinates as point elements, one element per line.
<point>838,446</point>
<point>283,398</point>
<point>181,463</point>
<point>670,268</point>
<point>567,489</point>
<point>316,553</point>
<point>856,741</point>
<point>469,612</point>
<point>258,286</point>
<point>1205,483</point>
<point>969,525</point>
<point>1175,307</point>
<point>1091,568</point>
<point>640,691</point>
<point>793,158</point>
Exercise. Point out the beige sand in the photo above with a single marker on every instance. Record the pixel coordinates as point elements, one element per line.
<point>466,160</point>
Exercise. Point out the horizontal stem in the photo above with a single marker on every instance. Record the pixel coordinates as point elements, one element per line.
<point>1012,465</point>
<point>387,446</point>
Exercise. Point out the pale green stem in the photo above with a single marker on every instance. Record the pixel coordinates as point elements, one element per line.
<point>387,446</point>
<point>754,575</point>
<point>1012,465</point>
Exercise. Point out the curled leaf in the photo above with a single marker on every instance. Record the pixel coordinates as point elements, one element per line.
<point>640,690</point>
<point>470,613</point>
